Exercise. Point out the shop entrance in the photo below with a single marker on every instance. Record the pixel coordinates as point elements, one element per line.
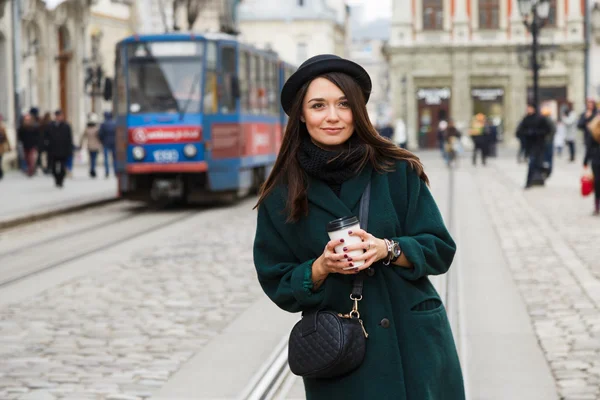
<point>433,106</point>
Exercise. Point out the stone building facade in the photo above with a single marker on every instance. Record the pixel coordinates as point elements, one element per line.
<point>44,61</point>
<point>296,29</point>
<point>456,58</point>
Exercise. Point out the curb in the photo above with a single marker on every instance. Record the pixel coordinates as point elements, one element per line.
<point>11,223</point>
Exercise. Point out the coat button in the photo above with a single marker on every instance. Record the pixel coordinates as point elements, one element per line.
<point>385,323</point>
<point>370,271</point>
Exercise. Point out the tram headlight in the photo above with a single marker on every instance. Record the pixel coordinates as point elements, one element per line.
<point>190,151</point>
<point>138,153</point>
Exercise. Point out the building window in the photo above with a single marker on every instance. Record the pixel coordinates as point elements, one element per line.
<point>433,14</point>
<point>489,14</point>
<point>301,52</point>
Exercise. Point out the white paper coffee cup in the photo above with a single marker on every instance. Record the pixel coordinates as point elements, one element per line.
<point>338,229</point>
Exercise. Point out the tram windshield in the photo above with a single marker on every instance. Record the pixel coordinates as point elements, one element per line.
<point>165,77</point>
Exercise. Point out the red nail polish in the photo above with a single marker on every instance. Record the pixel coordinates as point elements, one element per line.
<point>345,255</point>
<point>349,232</point>
<point>352,265</point>
<point>349,259</point>
<point>342,240</point>
<point>345,249</point>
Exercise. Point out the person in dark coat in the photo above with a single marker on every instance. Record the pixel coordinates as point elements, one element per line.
<point>60,147</point>
<point>592,156</point>
<point>29,137</point>
<point>107,135</point>
<point>330,152</point>
<point>534,128</point>
<point>586,117</point>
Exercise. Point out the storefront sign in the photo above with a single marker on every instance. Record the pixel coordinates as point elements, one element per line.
<point>433,96</point>
<point>487,94</point>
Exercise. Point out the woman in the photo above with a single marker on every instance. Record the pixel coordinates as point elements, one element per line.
<point>90,135</point>
<point>330,152</point>
<point>4,143</point>
<point>569,119</point>
<point>29,137</point>
<point>592,156</point>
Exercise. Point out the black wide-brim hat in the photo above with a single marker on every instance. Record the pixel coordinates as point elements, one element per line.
<point>319,65</point>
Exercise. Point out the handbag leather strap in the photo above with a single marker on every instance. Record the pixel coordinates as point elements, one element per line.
<point>363,216</point>
<point>309,320</point>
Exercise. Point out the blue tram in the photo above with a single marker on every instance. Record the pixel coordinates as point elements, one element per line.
<point>198,116</point>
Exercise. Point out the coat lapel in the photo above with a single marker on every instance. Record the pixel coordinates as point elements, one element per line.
<point>320,194</point>
<point>353,189</point>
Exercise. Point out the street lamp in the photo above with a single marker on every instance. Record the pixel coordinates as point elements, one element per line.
<point>535,15</point>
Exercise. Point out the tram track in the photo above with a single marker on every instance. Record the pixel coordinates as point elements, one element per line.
<point>26,261</point>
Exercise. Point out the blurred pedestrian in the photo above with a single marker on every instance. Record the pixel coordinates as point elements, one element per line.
<point>490,133</point>
<point>334,147</point>
<point>28,136</point>
<point>107,135</point>
<point>386,130</point>
<point>586,117</point>
<point>534,128</point>
<point>548,143</point>
<point>60,147</point>
<point>441,138</point>
<point>400,137</point>
<point>479,137</point>
<point>560,136</point>
<point>90,137</point>
<point>453,145</point>
<point>4,143</point>
<point>43,148</point>
<point>569,120</point>
<point>592,156</point>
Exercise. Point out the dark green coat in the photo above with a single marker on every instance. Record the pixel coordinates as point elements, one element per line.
<point>414,356</point>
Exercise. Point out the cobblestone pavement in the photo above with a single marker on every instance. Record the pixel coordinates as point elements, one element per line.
<point>121,332</point>
<point>552,245</point>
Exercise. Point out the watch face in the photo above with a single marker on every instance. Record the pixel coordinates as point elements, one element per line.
<point>396,250</point>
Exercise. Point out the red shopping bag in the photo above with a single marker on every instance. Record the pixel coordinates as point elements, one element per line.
<point>587,184</point>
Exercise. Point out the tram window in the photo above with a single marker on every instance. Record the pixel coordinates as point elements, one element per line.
<point>254,85</point>
<point>244,72</point>
<point>121,96</point>
<point>273,92</point>
<point>211,55</point>
<point>211,101</point>
<point>262,89</point>
<point>226,100</point>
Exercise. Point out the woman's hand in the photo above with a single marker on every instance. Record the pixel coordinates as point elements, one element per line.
<point>332,263</point>
<point>375,249</point>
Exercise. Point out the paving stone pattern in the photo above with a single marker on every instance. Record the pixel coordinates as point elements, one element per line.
<point>552,246</point>
<point>120,333</point>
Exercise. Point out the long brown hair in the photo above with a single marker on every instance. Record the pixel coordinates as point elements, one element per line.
<point>380,152</point>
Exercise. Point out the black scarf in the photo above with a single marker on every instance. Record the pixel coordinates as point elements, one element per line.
<point>332,167</point>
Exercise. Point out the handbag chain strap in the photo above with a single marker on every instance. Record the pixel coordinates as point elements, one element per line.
<point>357,284</point>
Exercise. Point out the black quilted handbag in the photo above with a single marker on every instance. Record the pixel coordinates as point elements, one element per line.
<point>326,344</point>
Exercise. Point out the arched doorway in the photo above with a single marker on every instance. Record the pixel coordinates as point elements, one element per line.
<point>65,54</point>
<point>4,58</point>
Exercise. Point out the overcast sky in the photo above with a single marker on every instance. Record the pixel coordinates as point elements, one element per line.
<point>374,8</point>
